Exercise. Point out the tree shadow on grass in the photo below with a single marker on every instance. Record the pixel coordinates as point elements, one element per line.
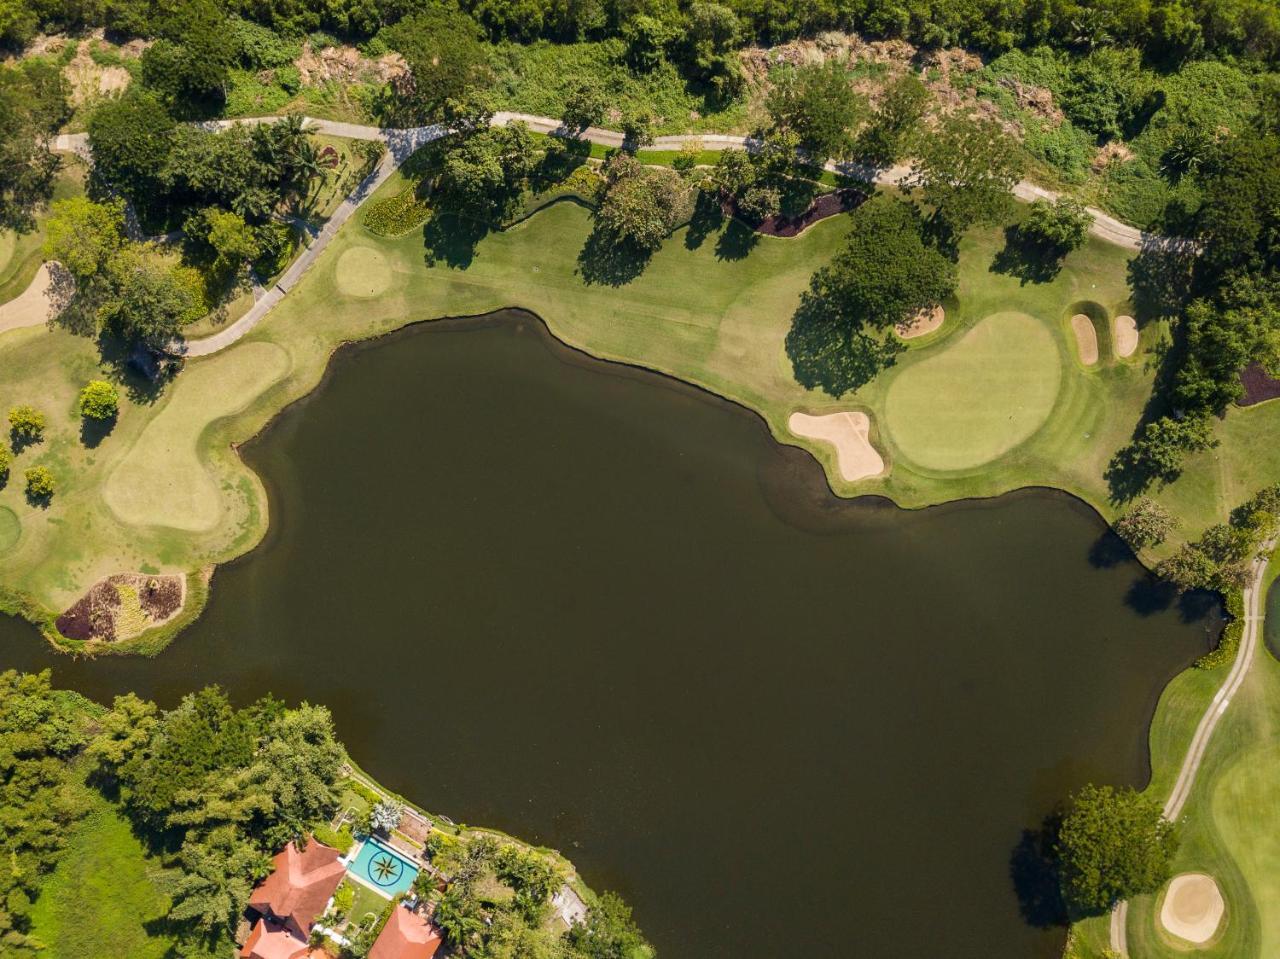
<point>1027,260</point>
<point>607,261</point>
<point>94,431</point>
<point>1036,875</point>
<point>736,241</point>
<point>708,217</point>
<point>452,240</point>
<point>830,353</point>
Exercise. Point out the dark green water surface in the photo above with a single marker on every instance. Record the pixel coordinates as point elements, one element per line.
<point>608,613</point>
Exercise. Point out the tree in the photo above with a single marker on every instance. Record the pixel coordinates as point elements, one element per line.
<point>840,337</point>
<point>147,299</point>
<point>637,128</point>
<point>217,874</point>
<point>39,482</point>
<point>641,204</point>
<point>1165,442</point>
<point>818,104</point>
<point>966,169</point>
<point>385,815</point>
<point>227,241</point>
<point>609,932</point>
<point>1060,225</point>
<point>585,106</point>
<point>485,172</point>
<point>760,201</point>
<point>83,236</point>
<point>457,918</point>
<point>130,138</point>
<point>1188,568</point>
<point>26,424</point>
<point>122,733</point>
<point>1113,844</point>
<point>99,401</point>
<point>902,103</point>
<point>709,44</point>
<point>33,105</point>
<point>6,460</point>
<point>446,56</point>
<point>1145,523</point>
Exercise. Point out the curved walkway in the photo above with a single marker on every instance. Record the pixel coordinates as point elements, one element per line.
<point>1208,723</point>
<point>402,142</point>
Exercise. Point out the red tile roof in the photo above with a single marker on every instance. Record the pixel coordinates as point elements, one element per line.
<point>406,936</point>
<point>274,941</point>
<point>298,889</point>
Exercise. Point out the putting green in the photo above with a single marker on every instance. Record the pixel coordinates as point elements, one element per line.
<point>979,398</point>
<point>161,481</point>
<point>362,271</point>
<point>10,529</point>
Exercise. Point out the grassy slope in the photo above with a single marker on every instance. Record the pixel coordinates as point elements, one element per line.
<point>1232,816</point>
<point>102,899</point>
<point>700,311</point>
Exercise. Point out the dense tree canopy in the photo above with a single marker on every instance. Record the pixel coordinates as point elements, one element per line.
<point>33,104</point>
<point>1113,844</point>
<point>966,168</point>
<point>641,204</point>
<point>818,104</point>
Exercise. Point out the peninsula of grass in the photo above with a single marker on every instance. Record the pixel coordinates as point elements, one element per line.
<point>166,492</point>
<point>1231,821</point>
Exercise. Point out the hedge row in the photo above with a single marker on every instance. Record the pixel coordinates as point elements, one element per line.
<point>1229,643</point>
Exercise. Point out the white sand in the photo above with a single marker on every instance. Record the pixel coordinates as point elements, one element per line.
<point>1086,338</point>
<point>1193,907</point>
<point>849,433</point>
<point>32,306</point>
<point>1125,334</point>
<point>926,321</point>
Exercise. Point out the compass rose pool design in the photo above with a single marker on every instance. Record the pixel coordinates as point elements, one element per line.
<point>382,869</point>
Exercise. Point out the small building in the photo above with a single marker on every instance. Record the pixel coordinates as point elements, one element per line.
<point>299,887</point>
<point>406,935</point>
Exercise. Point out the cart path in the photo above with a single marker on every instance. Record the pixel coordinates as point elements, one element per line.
<point>402,142</point>
<point>1209,721</point>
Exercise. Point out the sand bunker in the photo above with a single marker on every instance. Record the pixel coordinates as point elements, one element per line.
<point>1086,338</point>
<point>926,321</point>
<point>32,306</point>
<point>362,271</point>
<point>849,433</point>
<point>1193,907</point>
<point>1125,335</point>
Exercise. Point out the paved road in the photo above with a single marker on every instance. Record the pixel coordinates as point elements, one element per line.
<point>1208,723</point>
<point>401,143</point>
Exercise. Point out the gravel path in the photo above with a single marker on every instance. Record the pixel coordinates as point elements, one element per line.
<point>1208,723</point>
<point>401,143</point>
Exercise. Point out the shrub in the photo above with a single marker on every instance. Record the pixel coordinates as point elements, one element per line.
<point>343,900</point>
<point>99,401</point>
<point>39,482</point>
<point>1061,224</point>
<point>26,423</point>
<point>364,792</point>
<point>339,839</point>
<point>397,215</point>
<point>6,459</point>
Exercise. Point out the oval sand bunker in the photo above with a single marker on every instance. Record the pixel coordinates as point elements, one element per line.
<point>362,271</point>
<point>1086,338</point>
<point>849,433</point>
<point>925,321</point>
<point>1193,907</point>
<point>1125,334</point>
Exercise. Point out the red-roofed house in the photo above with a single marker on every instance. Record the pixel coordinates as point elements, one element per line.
<point>273,941</point>
<point>406,936</point>
<point>299,887</point>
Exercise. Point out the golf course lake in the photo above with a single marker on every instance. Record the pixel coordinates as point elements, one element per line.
<point>608,613</point>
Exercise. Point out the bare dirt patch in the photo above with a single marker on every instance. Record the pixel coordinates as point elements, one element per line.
<point>1111,152</point>
<point>850,434</point>
<point>1086,338</point>
<point>925,321</point>
<point>1125,335</point>
<point>347,65</point>
<point>122,606</point>
<point>1193,907</point>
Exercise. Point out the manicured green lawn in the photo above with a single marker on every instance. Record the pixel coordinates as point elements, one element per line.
<point>966,405</point>
<point>165,490</point>
<point>102,899</point>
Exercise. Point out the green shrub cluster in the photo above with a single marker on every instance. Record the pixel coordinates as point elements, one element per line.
<point>397,215</point>
<point>1229,642</point>
<point>339,839</point>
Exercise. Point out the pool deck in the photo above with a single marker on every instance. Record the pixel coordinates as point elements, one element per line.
<point>410,858</point>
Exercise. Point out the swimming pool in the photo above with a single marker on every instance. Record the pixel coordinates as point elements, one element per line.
<point>382,868</point>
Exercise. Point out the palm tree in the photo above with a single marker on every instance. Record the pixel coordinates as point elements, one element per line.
<point>456,917</point>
